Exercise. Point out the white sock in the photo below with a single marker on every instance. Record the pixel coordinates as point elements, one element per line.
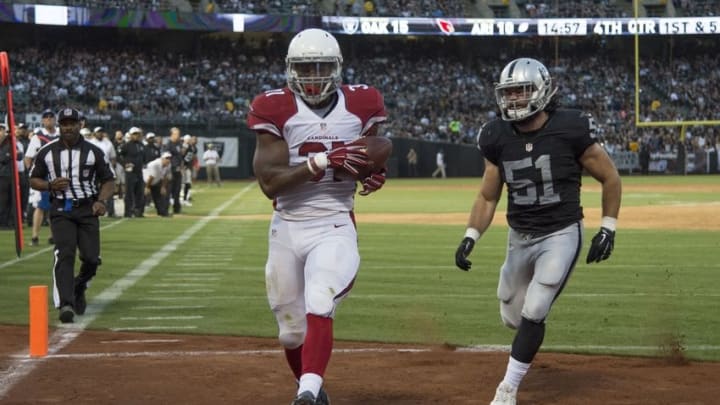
<point>515,372</point>
<point>310,382</point>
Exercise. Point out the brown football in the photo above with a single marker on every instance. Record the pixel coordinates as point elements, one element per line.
<point>378,149</point>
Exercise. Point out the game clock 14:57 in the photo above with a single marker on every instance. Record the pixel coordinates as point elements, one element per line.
<point>565,26</point>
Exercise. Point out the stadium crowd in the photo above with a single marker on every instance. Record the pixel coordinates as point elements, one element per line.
<point>434,92</point>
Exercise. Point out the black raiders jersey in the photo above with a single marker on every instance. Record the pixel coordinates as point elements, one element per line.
<point>541,169</point>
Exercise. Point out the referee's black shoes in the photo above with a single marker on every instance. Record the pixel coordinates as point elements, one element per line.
<point>66,314</point>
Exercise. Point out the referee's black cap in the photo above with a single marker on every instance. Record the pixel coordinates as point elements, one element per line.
<point>68,114</point>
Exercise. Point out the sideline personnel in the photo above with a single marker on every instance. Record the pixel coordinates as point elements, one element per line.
<point>73,168</point>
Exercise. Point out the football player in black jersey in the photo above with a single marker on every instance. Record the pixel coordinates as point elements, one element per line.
<point>539,152</point>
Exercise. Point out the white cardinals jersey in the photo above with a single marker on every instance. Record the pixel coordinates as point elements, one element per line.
<point>283,114</point>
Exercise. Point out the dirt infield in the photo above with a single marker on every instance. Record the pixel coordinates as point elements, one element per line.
<point>130,368</point>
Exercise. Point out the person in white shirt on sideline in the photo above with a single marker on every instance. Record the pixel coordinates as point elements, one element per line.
<point>211,159</point>
<point>156,176</point>
<point>440,161</point>
<point>99,139</point>
<point>40,199</point>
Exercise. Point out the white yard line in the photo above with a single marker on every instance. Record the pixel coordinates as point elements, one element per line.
<point>49,248</point>
<point>183,284</point>
<point>179,291</point>
<point>240,353</point>
<point>591,348</point>
<point>153,327</point>
<point>140,341</point>
<point>203,264</point>
<point>167,307</point>
<point>200,274</point>
<point>203,353</point>
<point>161,318</point>
<point>66,334</point>
<point>193,278</point>
<point>186,298</point>
<point>566,295</point>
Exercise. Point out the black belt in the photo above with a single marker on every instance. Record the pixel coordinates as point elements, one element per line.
<point>75,202</point>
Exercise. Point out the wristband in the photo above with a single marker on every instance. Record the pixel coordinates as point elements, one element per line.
<point>472,233</point>
<point>609,223</point>
<point>317,163</point>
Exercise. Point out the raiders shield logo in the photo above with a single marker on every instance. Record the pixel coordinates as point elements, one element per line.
<point>528,147</point>
<point>86,172</point>
<point>350,25</point>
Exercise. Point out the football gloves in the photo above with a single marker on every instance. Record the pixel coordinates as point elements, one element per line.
<point>373,183</point>
<point>602,246</point>
<point>462,252</point>
<point>349,158</point>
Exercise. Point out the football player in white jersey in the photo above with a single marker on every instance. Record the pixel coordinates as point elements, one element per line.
<point>302,163</point>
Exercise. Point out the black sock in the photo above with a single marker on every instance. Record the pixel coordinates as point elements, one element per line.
<point>527,340</point>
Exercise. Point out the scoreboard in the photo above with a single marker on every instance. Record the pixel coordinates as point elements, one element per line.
<point>351,25</point>
<point>519,27</point>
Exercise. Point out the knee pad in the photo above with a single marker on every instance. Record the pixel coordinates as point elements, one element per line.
<point>510,314</point>
<point>291,340</point>
<point>536,311</point>
<point>321,303</point>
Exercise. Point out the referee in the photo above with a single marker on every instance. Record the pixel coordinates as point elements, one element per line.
<point>73,168</point>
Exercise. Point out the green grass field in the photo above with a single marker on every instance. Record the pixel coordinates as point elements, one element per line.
<point>202,273</point>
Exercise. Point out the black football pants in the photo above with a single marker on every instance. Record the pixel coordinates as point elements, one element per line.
<point>134,194</point>
<point>175,187</point>
<point>160,201</point>
<point>76,229</point>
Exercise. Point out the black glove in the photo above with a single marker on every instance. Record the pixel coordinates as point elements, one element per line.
<point>602,245</point>
<point>462,252</point>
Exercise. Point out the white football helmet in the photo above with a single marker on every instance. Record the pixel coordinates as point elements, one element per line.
<point>525,88</point>
<point>314,65</point>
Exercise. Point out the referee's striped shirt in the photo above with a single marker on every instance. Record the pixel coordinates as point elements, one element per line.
<point>85,164</point>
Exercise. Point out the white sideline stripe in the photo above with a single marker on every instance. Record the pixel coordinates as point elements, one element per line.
<point>201,353</point>
<point>188,274</point>
<point>47,249</point>
<point>574,295</point>
<point>153,327</point>
<point>65,334</point>
<point>603,348</point>
<point>443,266</point>
<point>161,318</point>
<point>142,341</point>
<point>166,307</point>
